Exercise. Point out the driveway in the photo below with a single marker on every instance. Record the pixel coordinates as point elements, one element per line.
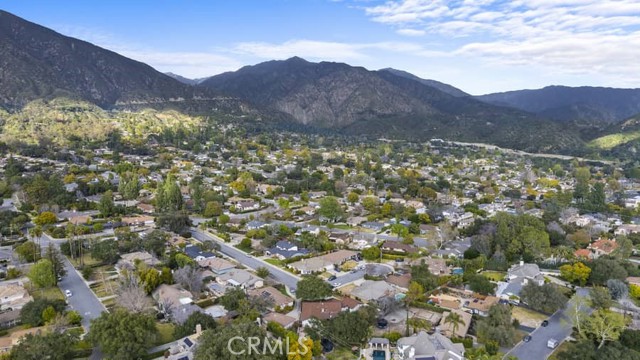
<point>559,328</point>
<point>282,276</point>
<point>348,278</point>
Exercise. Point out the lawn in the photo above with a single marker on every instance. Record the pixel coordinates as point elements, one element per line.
<point>341,354</point>
<point>276,262</point>
<point>52,293</point>
<point>527,317</point>
<point>88,261</point>
<point>494,275</point>
<point>165,333</point>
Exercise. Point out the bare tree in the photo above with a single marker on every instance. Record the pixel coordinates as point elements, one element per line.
<point>189,277</point>
<point>165,306</point>
<point>131,294</point>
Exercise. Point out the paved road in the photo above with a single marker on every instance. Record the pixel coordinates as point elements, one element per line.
<point>284,277</point>
<point>347,278</point>
<point>83,300</point>
<point>559,328</point>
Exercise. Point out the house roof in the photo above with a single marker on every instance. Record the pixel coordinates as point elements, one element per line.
<point>238,277</point>
<point>402,281</point>
<point>194,251</point>
<point>338,257</point>
<point>483,304</point>
<point>524,270</point>
<point>396,245</point>
<point>216,264</point>
<point>436,345</point>
<point>447,328</point>
<point>322,310</point>
<point>281,319</point>
<point>373,290</point>
<point>278,298</point>
<point>582,253</point>
<point>604,245</point>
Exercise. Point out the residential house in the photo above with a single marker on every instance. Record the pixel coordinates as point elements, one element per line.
<point>602,247</point>
<point>13,296</point>
<point>286,250</point>
<point>627,229</point>
<point>278,299</point>
<point>371,290</point>
<point>240,278</point>
<point>217,265</point>
<point>7,342</point>
<point>247,205</point>
<point>173,295</point>
<point>284,320</point>
<point>375,226</point>
<point>454,248</point>
<point>446,301</point>
<point>398,247</point>
<point>400,281</point>
<point>423,346</point>
<point>518,276</point>
<point>326,309</point>
<point>446,328</point>
<point>128,261</point>
<point>323,263</point>
<point>437,266</point>
<point>481,305</point>
<point>198,254</point>
<point>140,220</point>
<point>255,225</point>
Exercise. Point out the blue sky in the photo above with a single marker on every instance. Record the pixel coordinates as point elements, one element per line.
<point>480,46</point>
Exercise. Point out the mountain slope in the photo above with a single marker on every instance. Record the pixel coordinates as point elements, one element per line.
<point>36,62</point>
<point>586,106</point>
<point>357,101</point>
<point>446,88</point>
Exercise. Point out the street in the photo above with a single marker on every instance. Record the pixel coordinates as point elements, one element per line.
<point>83,300</point>
<point>282,276</point>
<point>559,328</point>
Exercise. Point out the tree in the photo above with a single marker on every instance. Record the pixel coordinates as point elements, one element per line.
<point>400,230</point>
<point>600,298</point>
<point>51,345</point>
<point>28,251</point>
<point>576,273</point>
<point>168,195</point>
<point>183,260</point>
<point>106,251</point>
<point>42,274</point>
<point>604,325</point>
<point>176,221</point>
<point>546,298</point>
<point>231,343</point>
<point>313,288</point>
<point>151,279</point>
<point>331,209</point>
<point>212,208</point>
<point>189,326</point>
<point>155,242</point>
<point>45,218</point>
<point>353,197</point>
<point>123,335</point>
<point>245,244</point>
<point>263,272</point>
<point>617,289</point>
<point>481,284</point>
<point>371,253</point>
<point>577,313</point>
<point>422,275</point>
<point>415,292</point>
<point>189,277</point>
<point>603,269</point>
<point>131,295</point>
<point>455,320</point>
<point>231,298</point>
<point>31,312</point>
<point>57,260</point>
<point>106,206</point>
<point>497,326</point>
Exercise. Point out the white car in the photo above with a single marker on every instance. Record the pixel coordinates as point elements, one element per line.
<point>68,293</point>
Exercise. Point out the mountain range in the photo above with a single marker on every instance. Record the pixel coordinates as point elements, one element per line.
<point>37,63</point>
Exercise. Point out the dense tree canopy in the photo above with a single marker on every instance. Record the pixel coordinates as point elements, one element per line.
<point>546,298</point>
<point>123,335</point>
<point>313,288</point>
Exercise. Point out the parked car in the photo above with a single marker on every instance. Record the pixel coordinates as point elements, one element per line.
<point>552,343</point>
<point>545,323</point>
<point>527,338</point>
<point>382,324</point>
<point>332,277</point>
<point>68,293</point>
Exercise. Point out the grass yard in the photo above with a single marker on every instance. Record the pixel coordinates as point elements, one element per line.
<point>276,262</point>
<point>494,275</point>
<point>527,317</point>
<point>103,289</point>
<point>341,354</point>
<point>52,293</point>
<point>165,333</point>
<point>88,261</point>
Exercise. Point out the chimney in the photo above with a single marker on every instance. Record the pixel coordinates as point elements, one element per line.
<point>198,329</point>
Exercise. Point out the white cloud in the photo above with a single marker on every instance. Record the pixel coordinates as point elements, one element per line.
<point>411,32</point>
<point>594,37</point>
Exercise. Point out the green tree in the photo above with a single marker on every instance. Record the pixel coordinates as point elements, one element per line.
<point>232,298</point>
<point>497,326</point>
<point>481,284</point>
<point>455,320</point>
<point>353,197</point>
<point>330,208</point>
<point>219,344</point>
<point>123,335</point>
<point>42,274</point>
<point>28,251</point>
<point>546,298</point>
<point>31,312</point>
<point>371,253</point>
<point>600,298</point>
<point>313,288</point>
<point>106,206</point>
<point>45,218</point>
<point>576,273</point>
<point>263,272</point>
<point>106,251</point>
<point>212,208</point>
<point>189,326</point>
<point>155,242</point>
<point>603,269</point>
<point>51,345</point>
<point>605,325</point>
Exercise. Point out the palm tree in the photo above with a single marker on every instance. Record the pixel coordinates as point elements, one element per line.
<point>455,320</point>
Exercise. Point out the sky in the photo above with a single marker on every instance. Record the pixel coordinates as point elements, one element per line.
<point>479,46</point>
